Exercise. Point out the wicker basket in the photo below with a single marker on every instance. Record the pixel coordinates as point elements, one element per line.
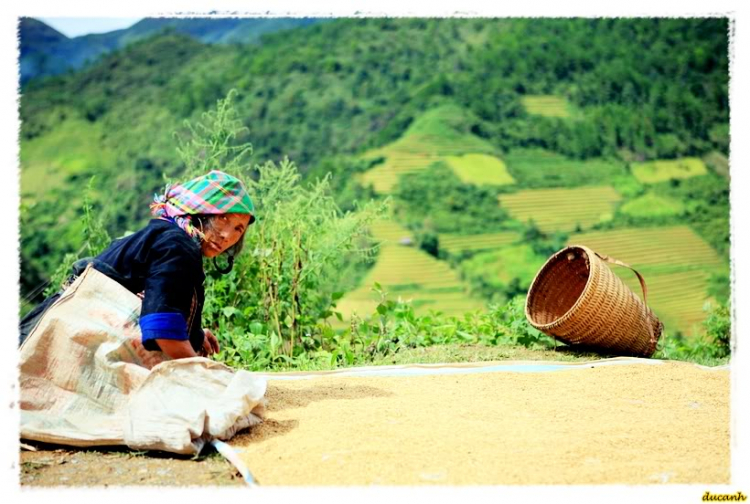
<point>577,299</point>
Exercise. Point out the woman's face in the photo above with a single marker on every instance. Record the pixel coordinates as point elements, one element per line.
<point>224,231</point>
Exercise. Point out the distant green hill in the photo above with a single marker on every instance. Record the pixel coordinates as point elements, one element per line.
<point>39,45</point>
<point>44,51</point>
<point>214,30</point>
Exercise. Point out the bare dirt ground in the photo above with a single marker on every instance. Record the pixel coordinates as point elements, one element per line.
<point>59,466</point>
<point>632,424</point>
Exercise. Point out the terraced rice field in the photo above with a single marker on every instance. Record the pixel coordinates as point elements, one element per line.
<point>455,244</point>
<point>413,153</point>
<point>546,105</point>
<point>434,136</point>
<point>675,262</point>
<point>562,209</point>
<point>676,247</point>
<point>480,169</point>
<point>661,171</point>
<point>652,205</point>
<point>539,168</point>
<point>410,273</point>
<point>389,231</point>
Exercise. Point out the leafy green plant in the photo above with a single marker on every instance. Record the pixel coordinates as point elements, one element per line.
<point>60,274</point>
<point>96,237</point>
<point>300,240</point>
<point>524,333</point>
<point>211,142</point>
<point>395,326</point>
<point>274,293</point>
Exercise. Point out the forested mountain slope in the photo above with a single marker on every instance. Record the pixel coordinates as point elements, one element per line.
<point>637,90</point>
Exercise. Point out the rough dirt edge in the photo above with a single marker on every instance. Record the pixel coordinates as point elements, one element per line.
<point>69,467</point>
<point>625,424</point>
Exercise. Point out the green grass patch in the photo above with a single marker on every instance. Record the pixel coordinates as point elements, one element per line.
<point>652,206</point>
<point>661,171</point>
<point>546,105</point>
<point>562,209</point>
<point>480,169</point>
<point>539,168</point>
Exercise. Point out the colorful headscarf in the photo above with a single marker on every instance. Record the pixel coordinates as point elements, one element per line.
<point>213,194</point>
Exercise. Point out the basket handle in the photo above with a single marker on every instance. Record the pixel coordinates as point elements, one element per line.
<point>612,260</point>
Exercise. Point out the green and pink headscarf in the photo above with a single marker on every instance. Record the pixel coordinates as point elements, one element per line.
<point>213,194</point>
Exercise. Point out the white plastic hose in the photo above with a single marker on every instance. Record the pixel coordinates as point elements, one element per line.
<point>232,456</point>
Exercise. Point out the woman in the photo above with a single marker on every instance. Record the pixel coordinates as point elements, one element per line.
<point>163,262</point>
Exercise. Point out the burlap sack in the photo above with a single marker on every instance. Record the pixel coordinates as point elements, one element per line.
<point>86,380</point>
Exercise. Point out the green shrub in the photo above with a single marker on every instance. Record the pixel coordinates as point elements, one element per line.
<point>718,327</point>
<point>543,244</point>
<point>712,349</point>
<point>429,242</point>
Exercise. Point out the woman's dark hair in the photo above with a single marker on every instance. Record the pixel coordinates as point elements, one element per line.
<point>204,222</point>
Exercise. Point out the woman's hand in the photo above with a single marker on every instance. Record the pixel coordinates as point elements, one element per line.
<point>210,343</point>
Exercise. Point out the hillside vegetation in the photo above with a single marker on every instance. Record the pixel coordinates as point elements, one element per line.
<point>497,141</point>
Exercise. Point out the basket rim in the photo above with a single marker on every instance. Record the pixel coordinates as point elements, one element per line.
<point>564,318</point>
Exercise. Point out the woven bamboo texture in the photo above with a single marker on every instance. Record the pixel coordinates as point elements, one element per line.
<point>577,299</point>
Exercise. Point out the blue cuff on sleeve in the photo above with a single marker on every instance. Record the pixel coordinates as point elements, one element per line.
<point>163,326</point>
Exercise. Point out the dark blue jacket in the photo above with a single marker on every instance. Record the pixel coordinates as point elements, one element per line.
<point>165,264</point>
